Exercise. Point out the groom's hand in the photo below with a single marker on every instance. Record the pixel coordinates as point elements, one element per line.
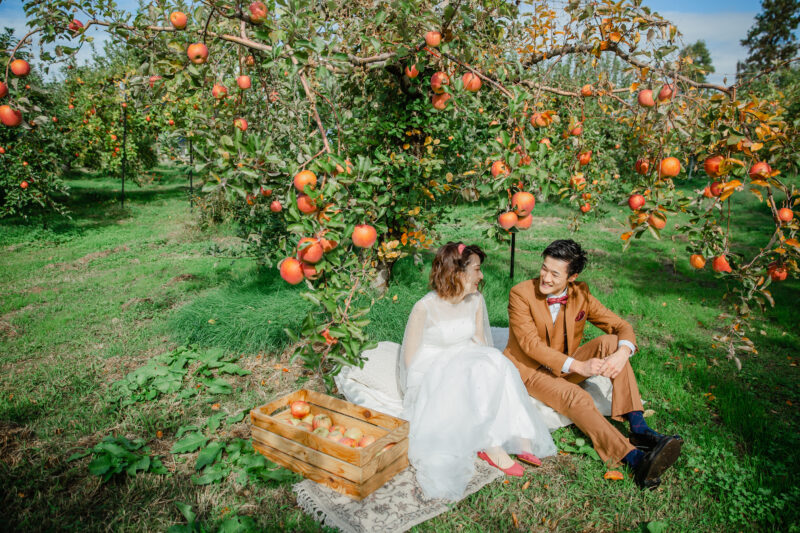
<point>588,368</point>
<point>614,363</point>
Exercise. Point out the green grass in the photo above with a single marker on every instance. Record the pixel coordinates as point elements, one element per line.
<point>84,301</point>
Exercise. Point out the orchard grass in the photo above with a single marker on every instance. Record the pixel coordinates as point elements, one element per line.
<point>86,301</point>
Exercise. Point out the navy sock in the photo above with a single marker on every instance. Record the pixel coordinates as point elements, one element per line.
<point>633,457</point>
<point>638,425</point>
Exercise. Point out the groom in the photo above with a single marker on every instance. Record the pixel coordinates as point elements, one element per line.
<point>547,316</point>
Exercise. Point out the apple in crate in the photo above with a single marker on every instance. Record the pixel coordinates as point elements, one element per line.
<point>365,441</point>
<point>354,433</point>
<point>335,436</point>
<point>294,421</point>
<point>321,431</point>
<point>300,408</point>
<point>305,425</point>
<point>347,441</point>
<point>322,421</point>
<point>336,427</point>
<point>309,419</point>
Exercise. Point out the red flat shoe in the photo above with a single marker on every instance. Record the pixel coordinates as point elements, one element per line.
<point>529,458</point>
<point>513,470</point>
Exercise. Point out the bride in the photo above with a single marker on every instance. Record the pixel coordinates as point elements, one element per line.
<point>461,395</point>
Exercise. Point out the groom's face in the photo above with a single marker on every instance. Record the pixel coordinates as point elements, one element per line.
<point>553,276</point>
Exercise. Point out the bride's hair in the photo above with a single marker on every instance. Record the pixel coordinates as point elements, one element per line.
<point>448,263</point>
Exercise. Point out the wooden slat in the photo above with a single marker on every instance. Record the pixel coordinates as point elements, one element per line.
<point>357,474</point>
<point>387,429</point>
<point>354,490</point>
<point>309,455</point>
<point>356,411</point>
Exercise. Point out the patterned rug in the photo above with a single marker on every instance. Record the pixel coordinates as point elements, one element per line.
<point>397,506</point>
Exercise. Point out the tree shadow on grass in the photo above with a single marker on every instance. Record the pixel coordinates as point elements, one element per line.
<point>247,314</point>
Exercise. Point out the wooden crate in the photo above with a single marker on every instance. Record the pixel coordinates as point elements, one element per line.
<point>355,472</point>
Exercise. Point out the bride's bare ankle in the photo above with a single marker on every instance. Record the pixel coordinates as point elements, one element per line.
<point>499,457</point>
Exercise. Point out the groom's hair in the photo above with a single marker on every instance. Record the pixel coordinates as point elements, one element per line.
<point>448,263</point>
<point>569,251</point>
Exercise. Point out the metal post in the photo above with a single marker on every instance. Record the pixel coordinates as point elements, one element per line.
<point>124,140</point>
<point>513,244</point>
<point>191,174</point>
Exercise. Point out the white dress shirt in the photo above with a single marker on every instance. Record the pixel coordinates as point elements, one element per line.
<point>554,309</point>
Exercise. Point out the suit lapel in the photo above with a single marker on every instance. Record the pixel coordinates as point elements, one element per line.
<point>541,309</point>
<point>570,313</point>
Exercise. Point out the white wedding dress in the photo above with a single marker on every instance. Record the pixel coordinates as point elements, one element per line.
<point>461,395</point>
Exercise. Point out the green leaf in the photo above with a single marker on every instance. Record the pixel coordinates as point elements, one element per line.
<point>186,511</point>
<point>211,474</point>
<point>214,421</point>
<point>100,465</point>
<point>189,443</point>
<point>208,455</point>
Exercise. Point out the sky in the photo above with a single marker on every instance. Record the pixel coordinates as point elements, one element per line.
<point>721,23</point>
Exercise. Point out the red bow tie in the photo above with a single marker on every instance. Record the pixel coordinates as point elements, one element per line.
<point>562,301</point>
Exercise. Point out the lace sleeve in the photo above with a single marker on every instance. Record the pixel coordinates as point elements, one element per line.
<point>483,331</point>
<point>412,339</point>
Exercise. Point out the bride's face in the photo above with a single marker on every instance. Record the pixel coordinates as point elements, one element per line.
<point>472,275</point>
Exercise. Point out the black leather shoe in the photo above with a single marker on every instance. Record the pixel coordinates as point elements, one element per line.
<point>648,473</point>
<point>647,442</point>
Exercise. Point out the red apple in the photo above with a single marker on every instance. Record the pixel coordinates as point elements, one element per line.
<point>636,201</point>
<point>243,82</point>
<point>275,206</point>
<point>586,90</point>
<point>305,204</point>
<point>584,158</point>
<point>198,53</point>
<point>178,20</point>
<point>347,441</point>
<point>10,117</point>
<point>507,220</point>
<point>500,167</point>
<point>412,71</point>
<point>785,214</point>
<point>321,431</point>
<point>3,89</point>
<point>523,203</point>
<point>760,170</point>
<point>711,165</point>
<point>433,38</point>
<point>219,91</point>
<point>20,68</point>
<point>309,250</point>
<point>303,178</point>
<point>300,409</point>
<point>364,236</point>
<point>75,26</point>
<point>471,82</point>
<point>577,130</point>
<point>585,208</point>
<point>524,222</point>
<point>354,433</point>
<point>258,12</point>
<point>715,188</point>
<point>240,123</point>
<point>720,264</point>
<point>646,98</point>
<point>335,436</point>
<point>322,421</point>
<point>24,184</point>
<point>365,441</point>
<point>666,92</point>
<point>438,81</point>
<point>292,272</point>
<point>439,101</point>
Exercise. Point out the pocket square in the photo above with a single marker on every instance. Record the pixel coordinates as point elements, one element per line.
<point>580,316</point>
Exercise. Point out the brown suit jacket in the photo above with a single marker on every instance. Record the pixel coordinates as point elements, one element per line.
<point>531,326</point>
